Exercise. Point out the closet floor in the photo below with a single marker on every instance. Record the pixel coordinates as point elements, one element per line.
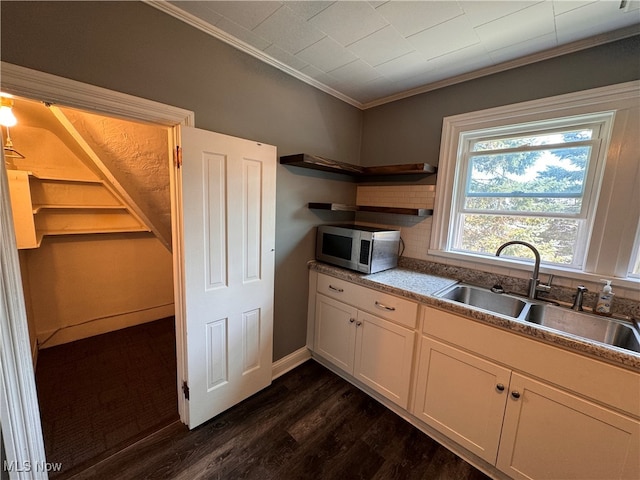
<point>101,394</point>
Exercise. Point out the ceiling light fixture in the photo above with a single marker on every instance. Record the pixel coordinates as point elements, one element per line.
<point>7,118</point>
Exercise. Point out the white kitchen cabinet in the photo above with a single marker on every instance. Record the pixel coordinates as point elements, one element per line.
<point>551,434</point>
<point>389,307</point>
<point>335,336</point>
<point>375,351</point>
<point>384,357</point>
<point>529,429</point>
<point>462,396</point>
<point>513,406</point>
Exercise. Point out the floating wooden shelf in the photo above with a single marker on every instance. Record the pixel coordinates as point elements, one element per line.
<point>339,207</point>
<point>313,162</point>
<point>65,179</point>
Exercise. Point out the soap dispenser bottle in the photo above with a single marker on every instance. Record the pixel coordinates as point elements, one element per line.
<point>605,297</point>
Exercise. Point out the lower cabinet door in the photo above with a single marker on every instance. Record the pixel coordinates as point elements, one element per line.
<point>384,356</point>
<point>462,396</point>
<point>551,434</point>
<point>335,334</point>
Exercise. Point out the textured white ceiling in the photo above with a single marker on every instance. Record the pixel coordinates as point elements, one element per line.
<point>371,52</point>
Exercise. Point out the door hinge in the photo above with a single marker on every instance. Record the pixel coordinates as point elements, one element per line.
<point>177,157</point>
<point>185,390</point>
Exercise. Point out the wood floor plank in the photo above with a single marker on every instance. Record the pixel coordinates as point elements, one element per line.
<point>309,424</point>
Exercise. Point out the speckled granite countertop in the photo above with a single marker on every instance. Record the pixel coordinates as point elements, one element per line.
<point>422,287</point>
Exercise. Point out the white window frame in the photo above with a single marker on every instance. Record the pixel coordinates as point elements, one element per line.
<point>634,257</point>
<point>611,241</point>
<point>601,125</point>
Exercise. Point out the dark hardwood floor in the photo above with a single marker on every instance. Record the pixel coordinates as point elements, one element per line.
<point>100,394</point>
<point>309,424</point>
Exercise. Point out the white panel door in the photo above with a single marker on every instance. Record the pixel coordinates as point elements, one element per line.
<point>228,227</point>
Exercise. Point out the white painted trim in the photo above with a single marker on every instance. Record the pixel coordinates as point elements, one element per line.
<point>177,242</point>
<point>614,97</point>
<point>288,363</point>
<point>25,82</point>
<point>19,411</point>
<point>511,64</point>
<point>21,427</point>
<point>225,37</point>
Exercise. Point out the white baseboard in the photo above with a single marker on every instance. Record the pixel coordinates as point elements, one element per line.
<point>291,361</point>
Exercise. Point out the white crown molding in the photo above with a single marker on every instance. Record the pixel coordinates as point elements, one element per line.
<point>511,64</point>
<point>215,32</point>
<point>194,21</point>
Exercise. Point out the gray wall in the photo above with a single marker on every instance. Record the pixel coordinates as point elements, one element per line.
<point>133,48</point>
<point>408,130</point>
<point>136,49</point>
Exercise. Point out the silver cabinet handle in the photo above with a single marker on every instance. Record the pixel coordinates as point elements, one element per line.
<point>380,305</point>
<point>358,324</point>
<point>500,387</point>
<point>351,320</point>
<point>515,394</point>
<point>336,289</point>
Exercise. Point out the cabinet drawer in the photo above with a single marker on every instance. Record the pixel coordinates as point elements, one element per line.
<point>399,310</point>
<point>338,289</point>
<point>396,309</point>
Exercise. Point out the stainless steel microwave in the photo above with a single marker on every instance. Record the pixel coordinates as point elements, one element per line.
<point>357,247</point>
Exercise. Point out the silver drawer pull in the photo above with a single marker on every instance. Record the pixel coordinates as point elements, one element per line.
<point>380,305</point>
<point>339,290</point>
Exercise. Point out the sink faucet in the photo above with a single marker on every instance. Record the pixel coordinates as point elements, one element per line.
<point>577,302</point>
<point>534,281</point>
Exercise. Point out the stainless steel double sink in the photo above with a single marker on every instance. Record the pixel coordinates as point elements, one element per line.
<point>608,331</point>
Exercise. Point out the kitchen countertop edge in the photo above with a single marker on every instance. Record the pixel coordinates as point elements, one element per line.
<point>394,285</point>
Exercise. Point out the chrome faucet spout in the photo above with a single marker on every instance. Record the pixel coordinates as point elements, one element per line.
<point>577,302</point>
<point>534,281</point>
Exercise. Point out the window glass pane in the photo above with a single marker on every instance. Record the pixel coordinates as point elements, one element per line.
<point>533,140</point>
<point>528,178</point>
<point>555,238</point>
<point>560,170</point>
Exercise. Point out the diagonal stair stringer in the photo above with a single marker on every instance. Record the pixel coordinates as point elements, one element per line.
<point>115,181</point>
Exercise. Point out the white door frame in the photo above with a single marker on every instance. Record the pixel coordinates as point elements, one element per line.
<point>21,427</point>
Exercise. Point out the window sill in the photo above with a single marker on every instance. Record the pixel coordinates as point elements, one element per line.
<point>502,265</point>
